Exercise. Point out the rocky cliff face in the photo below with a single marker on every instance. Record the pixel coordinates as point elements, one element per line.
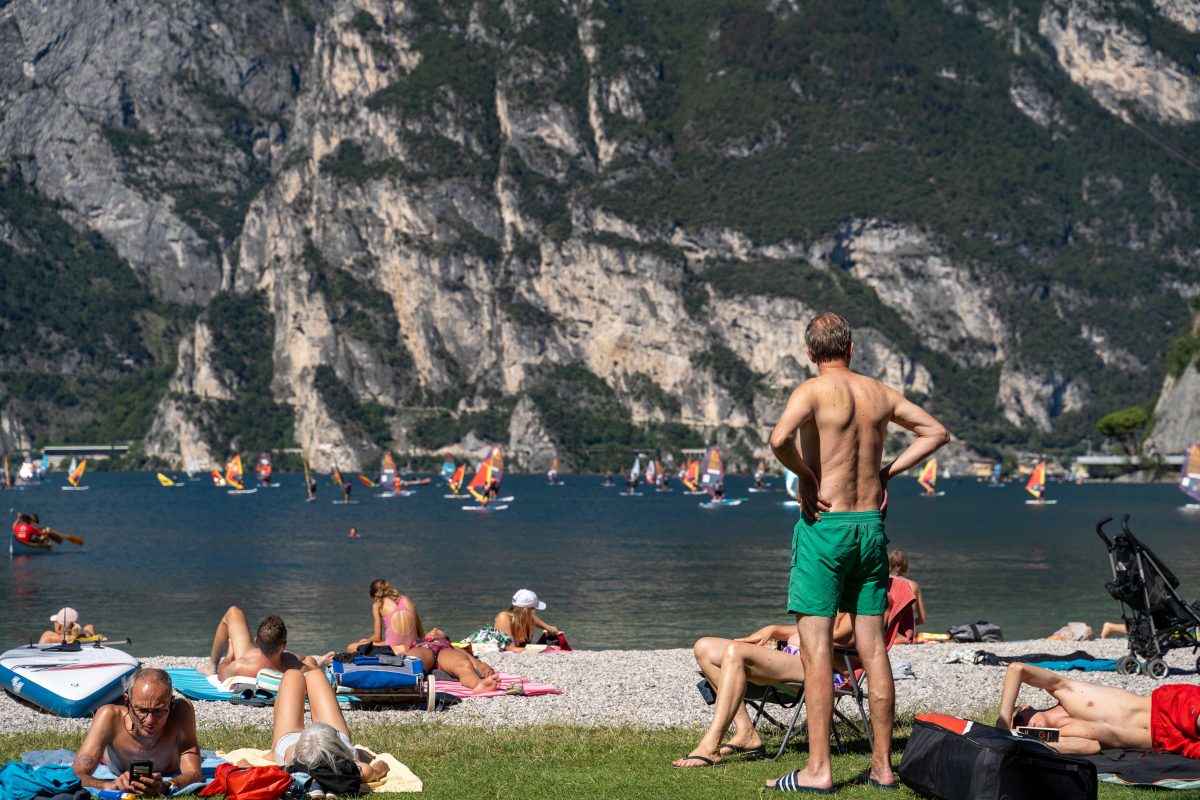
<point>417,193</point>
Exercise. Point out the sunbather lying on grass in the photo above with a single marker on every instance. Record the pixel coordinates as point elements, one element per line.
<point>729,664</point>
<point>1090,717</point>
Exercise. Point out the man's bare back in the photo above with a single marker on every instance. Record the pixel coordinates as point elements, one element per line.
<point>253,661</point>
<point>838,420</point>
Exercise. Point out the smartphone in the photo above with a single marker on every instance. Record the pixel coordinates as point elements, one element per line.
<point>141,769</point>
<point>1041,734</point>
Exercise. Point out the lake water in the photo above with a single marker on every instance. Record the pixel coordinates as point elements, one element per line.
<point>161,565</point>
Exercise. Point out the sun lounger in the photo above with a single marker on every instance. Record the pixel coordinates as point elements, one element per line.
<point>508,682</point>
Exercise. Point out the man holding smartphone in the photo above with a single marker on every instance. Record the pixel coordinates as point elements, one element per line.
<point>149,736</point>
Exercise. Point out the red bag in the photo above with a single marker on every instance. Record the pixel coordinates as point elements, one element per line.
<point>248,783</point>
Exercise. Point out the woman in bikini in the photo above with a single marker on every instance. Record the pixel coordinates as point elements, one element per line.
<point>436,652</point>
<point>394,618</point>
<point>520,620</point>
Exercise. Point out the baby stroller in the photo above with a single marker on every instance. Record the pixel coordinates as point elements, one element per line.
<point>1156,617</point>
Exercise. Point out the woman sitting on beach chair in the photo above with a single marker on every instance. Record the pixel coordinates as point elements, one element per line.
<point>322,748</point>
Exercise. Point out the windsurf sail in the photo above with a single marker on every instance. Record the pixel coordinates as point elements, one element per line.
<point>456,479</point>
<point>264,468</point>
<point>163,480</point>
<point>387,469</point>
<point>447,469</point>
<point>497,464</point>
<point>1037,481</point>
<point>8,480</point>
<point>367,480</point>
<point>691,478</point>
<point>792,481</point>
<point>636,470</point>
<point>26,473</point>
<point>233,472</point>
<point>337,477</point>
<point>308,484</point>
<point>997,469</point>
<point>76,472</point>
<point>651,472</point>
<point>714,469</point>
<point>552,473</point>
<point>760,471</point>
<point>1189,476</point>
<point>929,476</point>
<point>192,466</point>
<point>218,478</point>
<point>483,477</point>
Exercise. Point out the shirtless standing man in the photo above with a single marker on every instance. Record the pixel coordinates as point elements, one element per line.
<point>831,435</point>
<point>235,653</point>
<point>150,726</point>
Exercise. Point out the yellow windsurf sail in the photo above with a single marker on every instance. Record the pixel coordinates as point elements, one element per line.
<point>1037,481</point>
<point>77,473</point>
<point>1189,478</point>
<point>337,476</point>
<point>691,478</point>
<point>163,480</point>
<point>366,480</point>
<point>308,484</point>
<point>233,472</point>
<point>483,477</point>
<point>456,480</point>
<point>929,475</point>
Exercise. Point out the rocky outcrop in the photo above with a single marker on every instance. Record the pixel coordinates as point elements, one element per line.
<point>1177,413</point>
<point>1116,64</point>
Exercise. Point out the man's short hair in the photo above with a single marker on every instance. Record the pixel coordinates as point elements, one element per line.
<point>151,674</point>
<point>271,635</point>
<point>828,337</point>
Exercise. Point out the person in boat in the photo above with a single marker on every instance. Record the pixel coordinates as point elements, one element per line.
<point>149,725</point>
<point>66,628</point>
<point>26,530</point>
<point>1091,717</point>
<point>321,748</point>
<point>394,618</point>
<point>898,568</point>
<point>235,653</point>
<point>831,434</point>
<point>729,664</point>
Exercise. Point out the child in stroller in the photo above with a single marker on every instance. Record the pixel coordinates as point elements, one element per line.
<point>1156,618</point>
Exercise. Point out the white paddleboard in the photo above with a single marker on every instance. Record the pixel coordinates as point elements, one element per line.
<point>405,493</point>
<point>68,680</point>
<point>345,502</point>
<point>240,491</point>
<point>631,494</point>
<point>455,496</point>
<point>69,488</point>
<point>694,492</point>
<point>734,501</point>
<point>1190,507</point>
<point>1040,502</point>
<point>790,504</point>
<point>484,508</point>
<point>756,490</point>
<point>935,494</point>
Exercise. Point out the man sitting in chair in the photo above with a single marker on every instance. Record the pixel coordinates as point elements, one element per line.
<point>1090,717</point>
<point>729,664</point>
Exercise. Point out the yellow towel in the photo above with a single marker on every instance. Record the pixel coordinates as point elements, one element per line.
<point>399,778</point>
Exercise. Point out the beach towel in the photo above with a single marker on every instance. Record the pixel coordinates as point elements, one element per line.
<point>508,682</point>
<point>1057,661</point>
<point>20,781</point>
<point>399,778</point>
<point>209,761</point>
<point>1147,768</point>
<point>194,686</point>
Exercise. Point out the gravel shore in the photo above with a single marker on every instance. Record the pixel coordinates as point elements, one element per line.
<point>657,689</point>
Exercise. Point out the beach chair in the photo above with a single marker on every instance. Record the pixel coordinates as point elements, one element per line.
<point>788,696</point>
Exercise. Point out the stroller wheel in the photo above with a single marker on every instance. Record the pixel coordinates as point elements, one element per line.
<point>1157,668</point>
<point>1128,665</point>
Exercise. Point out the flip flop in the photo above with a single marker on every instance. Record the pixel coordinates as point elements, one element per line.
<point>708,762</point>
<point>878,785</point>
<point>738,750</point>
<point>788,783</point>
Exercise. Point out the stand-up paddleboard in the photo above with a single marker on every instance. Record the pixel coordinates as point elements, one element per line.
<point>485,508</point>
<point>18,548</point>
<point>732,501</point>
<point>694,492</point>
<point>69,488</point>
<point>1190,507</point>
<point>1040,502</point>
<point>455,496</point>
<point>345,502</point>
<point>70,680</point>
<point>404,493</point>
<point>240,491</point>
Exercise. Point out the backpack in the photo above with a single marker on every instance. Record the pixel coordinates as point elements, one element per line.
<point>345,780</point>
<point>248,783</point>
<point>978,631</point>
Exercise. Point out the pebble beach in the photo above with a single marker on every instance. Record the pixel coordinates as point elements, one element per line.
<point>657,689</point>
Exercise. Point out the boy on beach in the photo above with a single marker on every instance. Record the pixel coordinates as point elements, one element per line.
<point>831,435</point>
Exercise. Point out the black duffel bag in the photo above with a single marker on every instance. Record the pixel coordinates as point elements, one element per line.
<point>948,758</point>
<point>978,631</point>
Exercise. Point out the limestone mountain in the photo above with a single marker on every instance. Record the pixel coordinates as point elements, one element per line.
<point>590,225</point>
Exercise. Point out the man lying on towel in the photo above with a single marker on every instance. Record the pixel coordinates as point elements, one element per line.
<point>1091,717</point>
<point>235,653</point>
<point>150,725</point>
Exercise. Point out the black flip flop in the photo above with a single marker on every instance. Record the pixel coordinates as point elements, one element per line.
<point>878,785</point>
<point>738,750</point>
<point>708,762</point>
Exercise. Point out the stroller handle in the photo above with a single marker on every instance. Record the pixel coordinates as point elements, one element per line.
<point>1100,531</point>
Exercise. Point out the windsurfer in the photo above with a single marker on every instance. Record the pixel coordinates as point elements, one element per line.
<point>346,487</point>
<point>493,489</point>
<point>235,653</point>
<point>831,434</point>
<point>150,726</point>
<point>27,530</point>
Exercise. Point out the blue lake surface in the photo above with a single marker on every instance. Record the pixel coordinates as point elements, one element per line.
<point>161,565</point>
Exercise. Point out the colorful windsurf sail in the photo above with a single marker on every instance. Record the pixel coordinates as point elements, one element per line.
<point>76,473</point>
<point>691,478</point>
<point>1189,476</point>
<point>929,476</point>
<point>233,472</point>
<point>387,469</point>
<point>1037,481</point>
<point>714,469</point>
<point>456,479</point>
<point>651,472</point>
<point>490,472</point>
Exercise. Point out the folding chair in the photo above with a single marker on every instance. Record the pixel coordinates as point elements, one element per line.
<point>789,695</point>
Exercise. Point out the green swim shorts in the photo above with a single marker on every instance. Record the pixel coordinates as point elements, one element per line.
<point>839,562</point>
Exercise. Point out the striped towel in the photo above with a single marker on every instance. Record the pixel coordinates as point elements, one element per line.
<point>507,679</point>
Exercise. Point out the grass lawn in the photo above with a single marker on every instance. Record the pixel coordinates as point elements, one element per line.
<point>557,762</point>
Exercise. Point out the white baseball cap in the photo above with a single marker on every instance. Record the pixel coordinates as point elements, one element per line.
<point>66,616</point>
<point>527,599</point>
